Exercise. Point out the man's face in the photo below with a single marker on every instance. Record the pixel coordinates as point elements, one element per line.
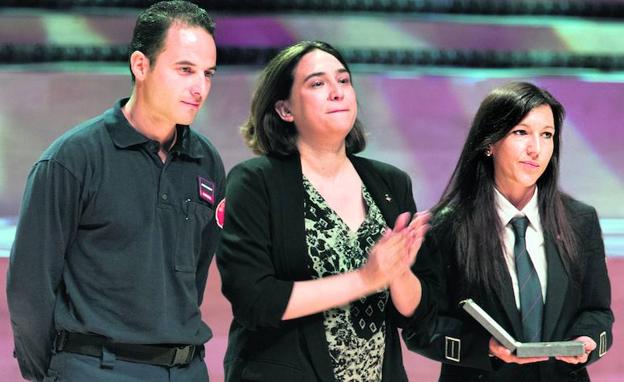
<point>179,78</point>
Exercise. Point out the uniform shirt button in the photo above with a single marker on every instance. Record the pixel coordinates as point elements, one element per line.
<point>164,196</point>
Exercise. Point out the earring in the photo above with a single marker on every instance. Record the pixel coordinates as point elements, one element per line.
<point>488,153</point>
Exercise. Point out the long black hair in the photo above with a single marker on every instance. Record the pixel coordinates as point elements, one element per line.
<point>469,197</point>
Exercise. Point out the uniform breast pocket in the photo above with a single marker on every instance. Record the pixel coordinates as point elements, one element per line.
<point>195,219</point>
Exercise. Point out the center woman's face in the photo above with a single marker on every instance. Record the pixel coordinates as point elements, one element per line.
<point>523,155</point>
<point>322,103</point>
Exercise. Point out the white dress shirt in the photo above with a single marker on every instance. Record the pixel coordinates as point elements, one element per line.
<point>534,239</point>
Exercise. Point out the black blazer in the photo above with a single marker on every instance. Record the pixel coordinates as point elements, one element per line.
<point>263,252</point>
<point>461,344</point>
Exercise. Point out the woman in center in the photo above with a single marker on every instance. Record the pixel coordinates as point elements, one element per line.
<point>318,254</point>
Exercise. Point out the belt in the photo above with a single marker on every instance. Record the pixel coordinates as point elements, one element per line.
<point>92,345</point>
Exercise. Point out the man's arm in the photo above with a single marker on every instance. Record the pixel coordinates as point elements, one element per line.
<point>47,225</point>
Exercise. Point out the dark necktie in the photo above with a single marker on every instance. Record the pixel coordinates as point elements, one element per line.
<point>531,303</point>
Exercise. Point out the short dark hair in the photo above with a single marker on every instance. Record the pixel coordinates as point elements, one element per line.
<point>153,23</point>
<point>264,131</point>
<point>469,198</point>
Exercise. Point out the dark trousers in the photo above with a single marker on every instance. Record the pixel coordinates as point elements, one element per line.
<point>70,367</point>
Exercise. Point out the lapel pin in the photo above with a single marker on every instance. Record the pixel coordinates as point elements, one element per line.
<point>388,198</point>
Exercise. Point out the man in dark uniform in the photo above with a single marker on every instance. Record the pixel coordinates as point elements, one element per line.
<point>117,227</point>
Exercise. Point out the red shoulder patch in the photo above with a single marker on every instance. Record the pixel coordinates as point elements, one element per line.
<point>220,213</point>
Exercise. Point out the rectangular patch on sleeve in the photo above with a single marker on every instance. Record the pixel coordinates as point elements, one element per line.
<point>452,348</point>
<point>602,346</point>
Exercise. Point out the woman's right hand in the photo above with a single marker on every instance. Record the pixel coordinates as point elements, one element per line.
<point>505,355</point>
<point>387,258</point>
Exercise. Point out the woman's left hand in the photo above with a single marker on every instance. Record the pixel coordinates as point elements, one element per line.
<point>590,345</point>
<point>416,230</point>
<point>405,289</point>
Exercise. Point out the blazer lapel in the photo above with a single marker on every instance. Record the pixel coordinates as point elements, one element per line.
<point>292,247</point>
<point>508,302</point>
<point>286,195</point>
<point>378,189</point>
<point>555,293</point>
<point>556,290</point>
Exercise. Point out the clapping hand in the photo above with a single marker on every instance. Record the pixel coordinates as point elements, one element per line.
<point>417,229</point>
<point>396,251</point>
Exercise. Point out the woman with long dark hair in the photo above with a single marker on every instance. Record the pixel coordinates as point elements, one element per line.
<point>507,237</point>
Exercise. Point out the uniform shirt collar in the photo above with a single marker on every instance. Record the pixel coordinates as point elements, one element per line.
<point>125,136</point>
<point>507,211</point>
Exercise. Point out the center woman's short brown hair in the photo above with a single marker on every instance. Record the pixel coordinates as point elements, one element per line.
<point>265,132</point>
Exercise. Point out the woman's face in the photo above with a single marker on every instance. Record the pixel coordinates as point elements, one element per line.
<point>322,102</point>
<point>522,156</point>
